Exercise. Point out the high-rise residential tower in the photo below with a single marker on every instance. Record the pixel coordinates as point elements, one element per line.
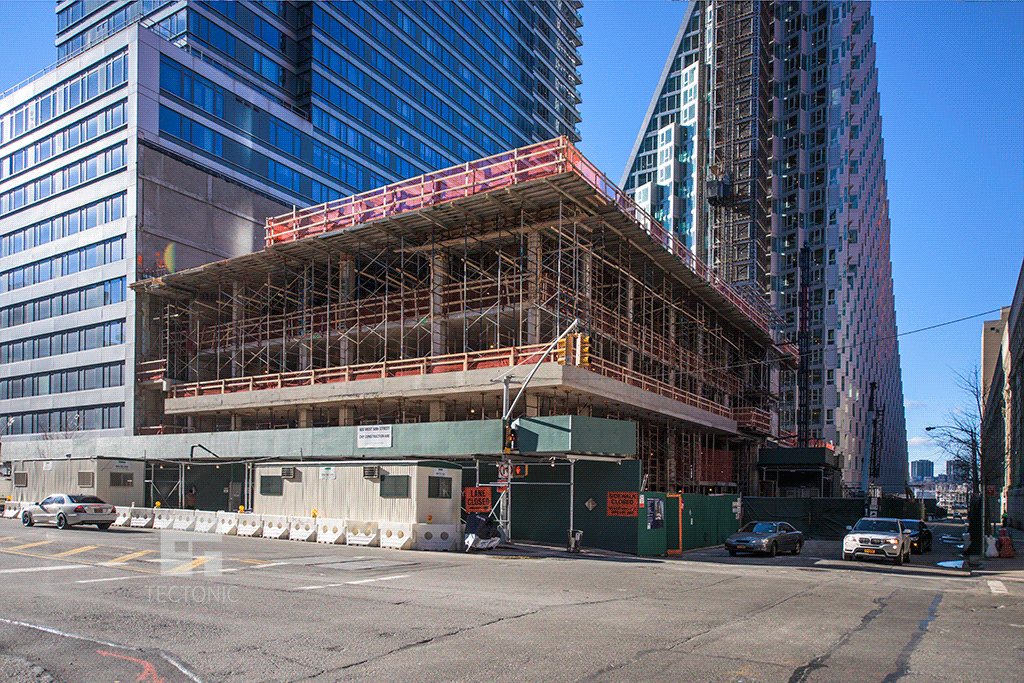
<point>169,131</point>
<point>762,150</point>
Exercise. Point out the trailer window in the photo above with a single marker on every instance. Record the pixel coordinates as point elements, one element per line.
<point>394,486</point>
<point>439,487</point>
<point>121,479</point>
<point>271,485</point>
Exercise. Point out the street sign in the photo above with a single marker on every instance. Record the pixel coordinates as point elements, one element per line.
<point>623,503</point>
<point>504,471</point>
<point>478,499</point>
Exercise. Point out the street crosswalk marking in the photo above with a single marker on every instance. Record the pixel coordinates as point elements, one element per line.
<point>997,588</point>
<point>189,566</point>
<point>24,570</point>
<point>75,551</point>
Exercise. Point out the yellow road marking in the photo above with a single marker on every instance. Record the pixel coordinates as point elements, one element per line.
<point>93,564</point>
<point>28,545</point>
<point>75,551</point>
<point>127,558</point>
<point>9,538</point>
<point>185,568</point>
<point>242,559</point>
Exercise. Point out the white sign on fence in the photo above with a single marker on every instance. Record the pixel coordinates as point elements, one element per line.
<point>373,436</point>
<point>328,473</point>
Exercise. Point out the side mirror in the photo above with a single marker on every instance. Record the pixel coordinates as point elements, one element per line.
<point>908,532</point>
<point>849,528</point>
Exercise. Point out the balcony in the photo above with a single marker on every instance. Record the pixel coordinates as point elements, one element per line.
<point>750,419</point>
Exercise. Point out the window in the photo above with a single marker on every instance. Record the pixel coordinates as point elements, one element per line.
<point>86,480</point>
<point>121,479</point>
<point>396,486</point>
<point>21,479</point>
<point>439,487</point>
<point>271,485</point>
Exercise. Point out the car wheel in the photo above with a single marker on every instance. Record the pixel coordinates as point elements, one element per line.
<point>848,556</point>
<point>772,550</point>
<point>62,521</point>
<point>796,549</point>
<point>898,560</point>
<point>732,552</point>
<point>907,559</point>
<point>104,526</point>
<point>26,519</point>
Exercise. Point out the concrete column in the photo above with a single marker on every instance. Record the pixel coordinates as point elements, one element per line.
<point>236,422</point>
<point>532,405</point>
<point>305,418</point>
<point>346,416</point>
<point>439,278</point>
<point>534,253</point>
<point>438,411</point>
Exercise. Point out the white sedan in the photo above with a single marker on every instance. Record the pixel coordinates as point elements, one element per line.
<point>68,509</point>
<point>878,537</point>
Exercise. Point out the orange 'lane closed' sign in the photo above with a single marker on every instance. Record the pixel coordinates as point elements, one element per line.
<point>478,499</point>
<point>623,503</point>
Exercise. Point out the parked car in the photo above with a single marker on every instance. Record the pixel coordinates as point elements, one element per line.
<point>920,537</point>
<point>67,509</point>
<point>878,537</point>
<point>765,537</point>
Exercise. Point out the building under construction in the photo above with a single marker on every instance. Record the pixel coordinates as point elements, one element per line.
<point>407,303</point>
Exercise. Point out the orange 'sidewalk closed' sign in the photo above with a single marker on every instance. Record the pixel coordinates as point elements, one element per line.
<point>478,499</point>
<point>623,503</point>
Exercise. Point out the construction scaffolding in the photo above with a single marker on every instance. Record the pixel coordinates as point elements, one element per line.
<point>390,306</point>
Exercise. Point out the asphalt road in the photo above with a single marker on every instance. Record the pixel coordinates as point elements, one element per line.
<point>162,607</point>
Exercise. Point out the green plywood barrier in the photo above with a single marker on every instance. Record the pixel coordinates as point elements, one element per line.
<point>651,525</point>
<point>707,520</point>
<point>673,524</point>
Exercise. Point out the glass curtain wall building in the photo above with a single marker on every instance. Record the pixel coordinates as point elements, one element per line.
<point>168,132</point>
<point>763,137</point>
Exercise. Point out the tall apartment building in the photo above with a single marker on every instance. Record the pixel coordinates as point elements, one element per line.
<point>169,131</point>
<point>762,140</point>
<point>922,469</point>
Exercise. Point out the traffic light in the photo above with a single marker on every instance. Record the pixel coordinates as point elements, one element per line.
<point>511,442</point>
<point>563,350</point>
<point>583,350</point>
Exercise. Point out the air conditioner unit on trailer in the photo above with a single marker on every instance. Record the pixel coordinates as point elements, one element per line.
<point>288,472</point>
<point>372,472</point>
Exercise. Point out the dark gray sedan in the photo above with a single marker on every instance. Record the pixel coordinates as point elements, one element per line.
<point>769,538</point>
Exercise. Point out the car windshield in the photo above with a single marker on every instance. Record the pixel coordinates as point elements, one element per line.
<point>912,524</point>
<point>759,528</point>
<point>84,499</point>
<point>886,526</point>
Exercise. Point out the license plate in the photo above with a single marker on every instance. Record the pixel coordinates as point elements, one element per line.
<point>868,550</point>
<point>741,547</point>
<point>96,511</point>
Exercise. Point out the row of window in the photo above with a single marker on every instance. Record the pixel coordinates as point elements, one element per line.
<point>61,265</point>
<point>65,303</point>
<point>106,27</point>
<point>74,419</point>
<point>70,94</point>
<point>59,343</point>
<point>63,225</point>
<point>241,52</point>
<point>63,381</point>
<point>76,11</point>
<point>102,163</point>
<point>63,141</point>
<point>228,150</point>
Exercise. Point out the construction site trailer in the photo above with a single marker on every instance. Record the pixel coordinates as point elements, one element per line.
<point>116,481</point>
<point>399,491</point>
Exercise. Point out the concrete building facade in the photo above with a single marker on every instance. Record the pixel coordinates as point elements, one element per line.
<point>169,132</point>
<point>922,469</point>
<point>763,140</point>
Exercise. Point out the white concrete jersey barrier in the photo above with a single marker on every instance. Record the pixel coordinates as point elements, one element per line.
<point>124,516</point>
<point>362,533</point>
<point>436,536</point>
<point>227,523</point>
<point>142,518</point>
<point>250,525</point>
<point>301,529</point>
<point>330,530</point>
<point>12,509</point>
<point>395,535</point>
<point>206,522</point>
<point>183,520</point>
<point>275,526</point>
<point>163,518</point>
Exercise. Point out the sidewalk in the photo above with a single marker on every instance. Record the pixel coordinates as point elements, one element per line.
<point>1006,568</point>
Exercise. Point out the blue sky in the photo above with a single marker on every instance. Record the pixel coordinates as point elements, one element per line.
<point>951,76</point>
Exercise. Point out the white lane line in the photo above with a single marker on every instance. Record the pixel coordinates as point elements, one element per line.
<point>43,569</point>
<point>997,588</point>
<point>112,578</point>
<point>272,564</point>
<point>313,588</point>
<point>381,578</point>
